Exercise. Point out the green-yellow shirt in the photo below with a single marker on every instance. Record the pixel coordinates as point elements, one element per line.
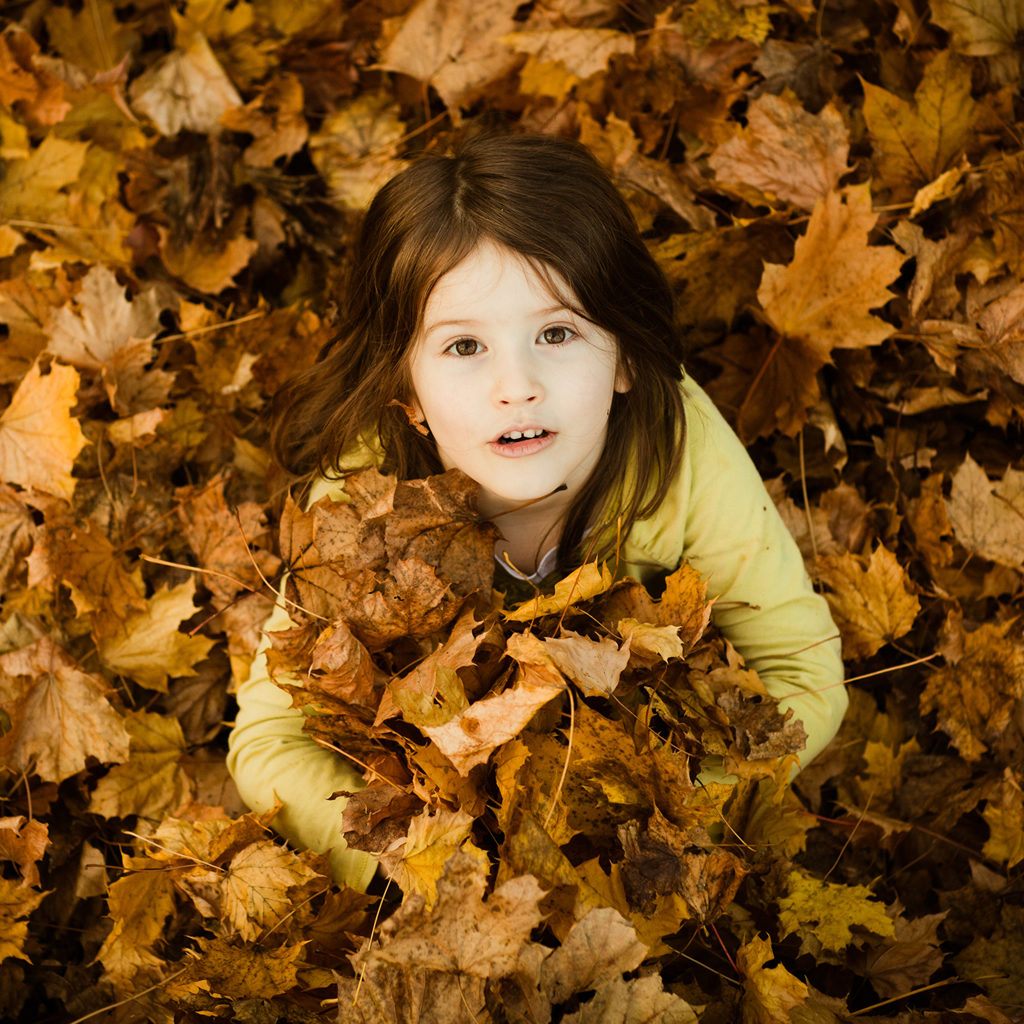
<point>717,516</point>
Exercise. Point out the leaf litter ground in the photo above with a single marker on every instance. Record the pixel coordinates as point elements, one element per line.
<point>834,192</point>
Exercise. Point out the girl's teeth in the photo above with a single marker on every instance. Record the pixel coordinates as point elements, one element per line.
<point>515,435</point>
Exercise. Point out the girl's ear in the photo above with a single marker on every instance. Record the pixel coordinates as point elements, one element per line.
<point>622,381</point>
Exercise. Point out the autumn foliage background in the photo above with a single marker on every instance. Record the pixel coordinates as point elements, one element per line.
<point>836,191</point>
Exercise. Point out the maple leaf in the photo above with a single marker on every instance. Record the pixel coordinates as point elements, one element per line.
<point>470,735</point>
<point>768,993</point>
<point>584,583</point>
<point>16,533</point>
<point>452,44</point>
<point>1005,817</point>
<point>244,972</point>
<point>980,28</point>
<point>94,38</point>
<point>187,89</point>
<point>113,335</point>
<point>996,960</point>
<point>988,519</point>
<point>60,715</point>
<point>907,960</point>
<point>31,188</point>
<point>150,783</point>
<point>593,665</point>
<point>210,261</point>
<point>459,933</point>
<point>223,539</point>
<point>274,119</point>
<point>975,697</point>
<point>642,999</point>
<point>150,648</point>
<point>139,903</point>
<point>822,298</point>
<point>560,58</point>
<point>869,599</point>
<point>16,903</point>
<point>39,439</point>
<point>418,863</point>
<point>915,142</point>
<point>785,152</point>
<point>24,842</point>
<point>823,913</point>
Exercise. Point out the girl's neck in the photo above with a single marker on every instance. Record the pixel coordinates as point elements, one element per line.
<point>529,533</point>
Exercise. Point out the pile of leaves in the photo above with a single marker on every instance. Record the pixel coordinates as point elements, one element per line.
<point>835,192</point>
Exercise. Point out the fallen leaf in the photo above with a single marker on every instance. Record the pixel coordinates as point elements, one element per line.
<point>785,152</point>
<point>821,299</point>
<point>988,519</point>
<point>769,994</point>
<point>578,53</point>
<point>915,142</point>
<point>24,842</point>
<point>150,648</point>
<point>244,972</point>
<point>274,119</point>
<point>1005,816</point>
<point>39,439</point>
<point>641,999</point>
<point>870,599</point>
<point>593,665</point>
<point>59,715</point>
<point>151,782</point>
<point>187,89</point>
<point>980,28</point>
<point>586,582</point>
<point>16,903</point>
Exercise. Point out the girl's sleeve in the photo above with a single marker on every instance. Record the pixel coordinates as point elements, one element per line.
<point>272,759</point>
<point>731,532</point>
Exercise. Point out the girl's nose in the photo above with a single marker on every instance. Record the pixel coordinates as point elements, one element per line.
<point>516,382</point>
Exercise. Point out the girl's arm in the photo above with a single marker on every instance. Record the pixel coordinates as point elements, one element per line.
<point>720,518</point>
<point>272,759</point>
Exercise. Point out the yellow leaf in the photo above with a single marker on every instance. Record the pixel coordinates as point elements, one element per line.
<point>822,298</point>
<point>915,142</point>
<point>187,89</point>
<point>431,840</point>
<point>209,262</point>
<point>30,188</point>
<point>707,20</point>
<point>768,994</point>
<point>24,842</point>
<point>150,648</point>
<point>256,888</point>
<point>275,121</point>
<point>827,911</point>
<point>245,972</point>
<point>650,641</point>
<point>584,583</point>
<point>980,28</point>
<point>870,602</point>
<point>785,152</point>
<point>452,44</point>
<point>16,903</point>
<point>988,518</point>
<point>151,782</point>
<point>39,439</point>
<point>562,57</point>
<point>593,665</point>
<point>138,904</point>
<point>92,37</point>
<point>60,715</point>
<point>1005,816</point>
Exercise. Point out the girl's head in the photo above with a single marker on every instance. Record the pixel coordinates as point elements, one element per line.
<point>546,204</point>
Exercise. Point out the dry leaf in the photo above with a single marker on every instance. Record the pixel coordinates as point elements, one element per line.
<point>987,519</point>
<point>24,842</point>
<point>39,440</point>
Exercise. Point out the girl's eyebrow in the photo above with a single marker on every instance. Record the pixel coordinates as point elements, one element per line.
<point>436,325</point>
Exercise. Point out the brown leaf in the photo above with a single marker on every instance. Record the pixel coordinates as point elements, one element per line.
<point>786,153</point>
<point>60,715</point>
<point>988,519</point>
<point>593,665</point>
<point>274,119</point>
<point>244,972</point>
<point>975,698</point>
<point>1005,818</point>
<point>16,533</point>
<point>642,999</point>
<point>909,959</point>
<point>16,903</point>
<point>24,842</point>
<point>869,599</point>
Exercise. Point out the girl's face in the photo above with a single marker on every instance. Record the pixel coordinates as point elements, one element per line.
<point>515,388</point>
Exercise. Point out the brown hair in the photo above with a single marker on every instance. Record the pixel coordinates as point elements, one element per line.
<point>547,199</point>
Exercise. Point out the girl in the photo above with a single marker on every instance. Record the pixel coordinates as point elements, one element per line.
<point>504,317</point>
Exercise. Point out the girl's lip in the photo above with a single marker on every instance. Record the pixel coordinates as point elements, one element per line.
<point>525,446</point>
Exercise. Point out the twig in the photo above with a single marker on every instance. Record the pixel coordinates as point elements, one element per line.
<point>925,988</point>
<point>556,796</point>
<point>129,999</point>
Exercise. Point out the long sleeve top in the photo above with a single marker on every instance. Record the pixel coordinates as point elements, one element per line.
<point>717,516</point>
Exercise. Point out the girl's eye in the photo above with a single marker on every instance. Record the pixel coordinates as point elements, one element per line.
<point>465,347</point>
<point>555,335</point>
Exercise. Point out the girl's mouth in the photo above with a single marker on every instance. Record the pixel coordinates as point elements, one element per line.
<point>522,442</point>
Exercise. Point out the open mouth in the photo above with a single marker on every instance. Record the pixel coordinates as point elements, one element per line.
<point>514,436</point>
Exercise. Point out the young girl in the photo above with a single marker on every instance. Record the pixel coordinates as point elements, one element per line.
<point>504,317</point>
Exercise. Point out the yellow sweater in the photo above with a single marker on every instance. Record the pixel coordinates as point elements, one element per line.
<point>717,516</point>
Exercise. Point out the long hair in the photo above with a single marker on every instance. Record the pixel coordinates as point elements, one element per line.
<point>548,200</point>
